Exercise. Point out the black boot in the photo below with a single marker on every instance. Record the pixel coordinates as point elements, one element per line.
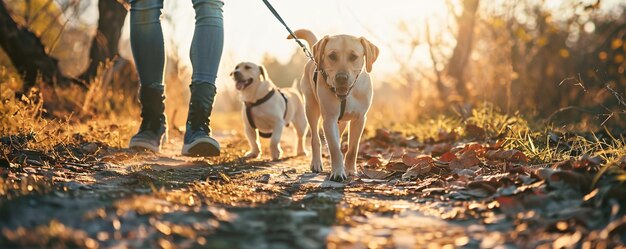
<point>198,140</point>
<point>153,130</point>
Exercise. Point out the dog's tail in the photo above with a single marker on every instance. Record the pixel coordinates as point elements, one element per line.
<point>306,35</point>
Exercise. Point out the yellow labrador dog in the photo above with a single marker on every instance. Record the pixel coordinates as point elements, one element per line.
<point>339,91</point>
<point>267,109</point>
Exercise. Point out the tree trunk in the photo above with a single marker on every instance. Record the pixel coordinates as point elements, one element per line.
<point>28,54</point>
<point>463,49</point>
<point>441,88</point>
<point>104,45</point>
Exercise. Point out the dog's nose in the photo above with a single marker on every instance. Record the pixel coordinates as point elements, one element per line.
<point>237,73</point>
<point>341,78</point>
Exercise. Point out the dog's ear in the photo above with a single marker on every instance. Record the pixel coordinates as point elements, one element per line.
<point>263,72</point>
<point>371,53</point>
<point>318,50</point>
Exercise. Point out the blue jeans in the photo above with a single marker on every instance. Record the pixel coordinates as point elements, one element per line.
<point>146,40</point>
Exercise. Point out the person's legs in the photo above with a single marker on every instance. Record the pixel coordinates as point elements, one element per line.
<point>208,41</point>
<point>206,52</point>
<point>146,39</point>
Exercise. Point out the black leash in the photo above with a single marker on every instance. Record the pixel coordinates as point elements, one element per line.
<point>280,19</point>
<point>308,54</point>
<point>259,102</point>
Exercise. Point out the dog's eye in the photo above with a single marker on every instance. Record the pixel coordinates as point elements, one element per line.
<point>332,57</point>
<point>247,67</point>
<point>353,57</point>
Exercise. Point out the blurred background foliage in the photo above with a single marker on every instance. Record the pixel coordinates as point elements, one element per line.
<point>562,64</point>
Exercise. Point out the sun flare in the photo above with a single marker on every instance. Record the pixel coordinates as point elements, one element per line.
<point>251,31</point>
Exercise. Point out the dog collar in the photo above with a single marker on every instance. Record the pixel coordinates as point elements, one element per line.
<point>343,99</point>
<point>333,89</point>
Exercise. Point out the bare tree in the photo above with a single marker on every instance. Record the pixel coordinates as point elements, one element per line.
<point>463,48</point>
<point>104,45</point>
<point>28,54</point>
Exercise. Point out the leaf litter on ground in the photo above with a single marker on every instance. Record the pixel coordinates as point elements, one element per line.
<point>504,192</point>
<point>567,203</point>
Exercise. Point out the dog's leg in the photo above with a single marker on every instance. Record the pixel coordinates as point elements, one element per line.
<point>300,125</point>
<point>331,132</point>
<point>313,117</point>
<point>275,149</point>
<point>342,129</point>
<point>354,134</point>
<point>253,141</point>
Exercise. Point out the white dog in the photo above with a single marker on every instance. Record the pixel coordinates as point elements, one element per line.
<point>267,109</point>
<point>340,91</point>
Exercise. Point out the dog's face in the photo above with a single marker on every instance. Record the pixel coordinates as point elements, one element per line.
<point>342,57</point>
<point>247,74</point>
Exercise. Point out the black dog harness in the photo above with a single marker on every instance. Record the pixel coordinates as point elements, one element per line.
<point>265,98</point>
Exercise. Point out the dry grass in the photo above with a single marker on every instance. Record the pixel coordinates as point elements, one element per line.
<point>23,119</point>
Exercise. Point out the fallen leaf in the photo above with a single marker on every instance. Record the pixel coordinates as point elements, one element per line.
<point>447,136</point>
<point>438,149</point>
<point>477,192</point>
<point>375,162</point>
<point>90,148</point>
<point>563,165</point>
<point>571,179</point>
<point>422,167</point>
<point>478,148</point>
<point>488,186</point>
<point>448,157</point>
<point>506,155</point>
<point>509,205</point>
<point>474,131</point>
<point>412,161</point>
<point>382,134</point>
<point>397,166</point>
<point>587,161</point>
<point>412,143</point>
<point>375,174</point>
<point>466,160</point>
<point>496,145</point>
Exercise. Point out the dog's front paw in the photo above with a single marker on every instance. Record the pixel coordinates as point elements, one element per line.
<point>277,155</point>
<point>252,154</point>
<point>350,169</point>
<point>302,153</point>
<point>276,152</point>
<point>350,172</point>
<point>338,175</point>
<point>316,166</point>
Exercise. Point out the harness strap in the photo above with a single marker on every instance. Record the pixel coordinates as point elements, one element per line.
<point>286,103</point>
<point>259,102</point>
<point>342,108</point>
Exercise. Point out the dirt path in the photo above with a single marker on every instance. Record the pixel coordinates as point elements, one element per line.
<point>139,201</point>
<point>472,196</point>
